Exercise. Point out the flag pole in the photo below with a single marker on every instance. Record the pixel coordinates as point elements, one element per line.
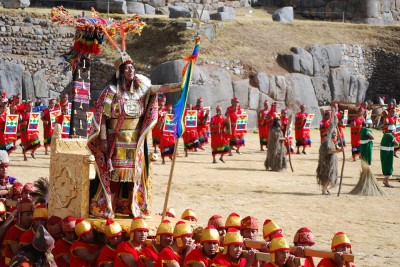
<point>171,174</point>
<point>179,111</point>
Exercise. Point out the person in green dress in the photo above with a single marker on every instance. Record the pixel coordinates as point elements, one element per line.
<point>367,139</point>
<point>387,154</point>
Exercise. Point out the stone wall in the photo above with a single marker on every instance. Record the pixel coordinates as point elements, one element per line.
<point>362,11</point>
<point>29,52</point>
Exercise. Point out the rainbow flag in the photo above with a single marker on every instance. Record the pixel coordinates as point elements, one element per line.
<point>169,125</point>
<point>191,119</point>
<point>11,124</point>
<point>66,124</point>
<point>179,107</point>
<point>241,123</point>
<point>53,115</point>
<point>34,119</point>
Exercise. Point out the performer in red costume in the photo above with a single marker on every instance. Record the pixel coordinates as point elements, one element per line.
<point>324,125</point>
<point>340,116</point>
<point>236,138</point>
<point>208,250</point>
<point>232,254</point>
<point>202,125</point>
<point>355,128</point>
<point>167,141</point>
<point>156,132</point>
<point>340,245</point>
<point>302,134</point>
<point>108,253</point>
<point>128,252</point>
<point>262,125</point>
<point>29,139</point>
<point>280,252</point>
<point>284,128</point>
<point>219,138</point>
<point>190,136</point>
<point>164,238</point>
<point>7,141</point>
<point>63,245</point>
<point>84,251</point>
<point>48,128</point>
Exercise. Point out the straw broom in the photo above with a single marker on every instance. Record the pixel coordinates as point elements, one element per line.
<point>367,185</point>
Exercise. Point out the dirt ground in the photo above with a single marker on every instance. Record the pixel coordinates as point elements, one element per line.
<point>292,200</point>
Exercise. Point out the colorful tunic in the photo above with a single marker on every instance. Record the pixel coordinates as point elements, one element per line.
<point>29,139</point>
<point>47,126</point>
<point>106,256</point>
<point>6,140</point>
<point>221,260</point>
<point>302,135</point>
<point>329,263</point>
<point>27,237</point>
<point>262,127</point>
<point>190,137</point>
<point>127,143</point>
<point>125,248</point>
<point>219,139</point>
<point>236,138</point>
<point>168,255</point>
<point>366,145</point>
<point>167,143</point>
<point>156,132</point>
<point>387,154</point>
<point>60,120</point>
<point>197,256</point>
<point>61,247</point>
<point>356,124</point>
<point>323,128</point>
<point>12,237</point>
<point>75,261</point>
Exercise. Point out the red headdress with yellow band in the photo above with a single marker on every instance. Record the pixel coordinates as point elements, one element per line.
<point>112,228</point>
<point>278,243</point>
<point>233,221</point>
<point>269,228</point>
<point>165,228</point>
<point>138,224</point>
<point>209,234</point>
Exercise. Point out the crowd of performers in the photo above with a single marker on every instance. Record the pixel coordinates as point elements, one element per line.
<point>19,121</point>
<point>226,131</point>
<point>30,237</point>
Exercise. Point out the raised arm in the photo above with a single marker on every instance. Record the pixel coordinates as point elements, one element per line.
<point>165,88</point>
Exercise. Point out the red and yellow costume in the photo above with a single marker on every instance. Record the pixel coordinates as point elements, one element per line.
<point>82,227</point>
<point>149,253</point>
<point>29,139</point>
<point>27,237</point>
<point>355,128</point>
<point>125,248</point>
<point>47,126</point>
<point>197,256</point>
<point>339,239</point>
<point>263,129</point>
<point>106,256</point>
<point>12,237</point>
<point>219,139</point>
<point>39,213</point>
<point>61,248</point>
<point>302,134</point>
<point>232,237</point>
<point>278,243</point>
<point>168,255</point>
